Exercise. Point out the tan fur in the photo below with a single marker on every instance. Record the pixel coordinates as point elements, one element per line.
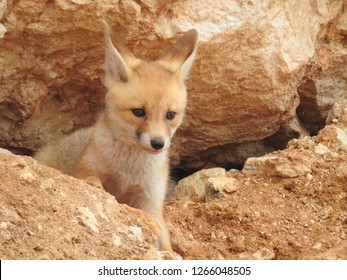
<point>117,152</point>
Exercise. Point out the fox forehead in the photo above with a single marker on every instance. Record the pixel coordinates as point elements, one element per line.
<point>153,87</point>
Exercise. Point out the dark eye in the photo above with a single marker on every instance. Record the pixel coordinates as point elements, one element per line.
<point>170,115</point>
<point>139,112</point>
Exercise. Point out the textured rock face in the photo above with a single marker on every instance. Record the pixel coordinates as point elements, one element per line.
<point>252,58</point>
<point>324,82</point>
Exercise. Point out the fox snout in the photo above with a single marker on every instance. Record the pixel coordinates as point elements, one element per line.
<point>157,143</point>
<point>154,144</point>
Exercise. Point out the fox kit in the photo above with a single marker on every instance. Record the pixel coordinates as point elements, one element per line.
<point>126,151</point>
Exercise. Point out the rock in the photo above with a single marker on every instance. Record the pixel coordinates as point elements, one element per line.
<point>3,225</point>
<point>243,88</point>
<point>27,175</point>
<point>4,152</point>
<point>324,83</point>
<point>264,254</point>
<point>136,232</point>
<point>217,188</point>
<point>341,171</point>
<point>289,164</point>
<point>338,114</point>
<point>87,218</point>
<point>58,217</point>
<point>321,149</point>
<point>3,30</point>
<point>341,136</point>
<point>195,185</point>
<point>223,184</point>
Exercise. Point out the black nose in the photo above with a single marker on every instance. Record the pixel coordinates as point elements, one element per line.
<point>157,143</point>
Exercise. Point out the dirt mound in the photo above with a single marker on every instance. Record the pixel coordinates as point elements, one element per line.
<point>47,215</point>
<point>290,204</point>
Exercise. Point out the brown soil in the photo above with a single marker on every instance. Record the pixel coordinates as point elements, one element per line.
<point>271,217</point>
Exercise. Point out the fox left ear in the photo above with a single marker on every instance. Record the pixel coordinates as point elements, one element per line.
<point>181,55</point>
<point>119,60</point>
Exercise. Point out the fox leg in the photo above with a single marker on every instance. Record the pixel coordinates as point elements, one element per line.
<point>135,197</point>
<point>164,239</point>
<point>87,175</point>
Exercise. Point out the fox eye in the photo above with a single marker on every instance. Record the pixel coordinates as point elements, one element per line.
<point>139,112</point>
<point>170,115</point>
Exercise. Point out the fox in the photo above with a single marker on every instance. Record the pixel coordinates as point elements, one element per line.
<point>126,151</point>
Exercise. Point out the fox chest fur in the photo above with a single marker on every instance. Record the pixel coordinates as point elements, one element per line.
<point>128,172</point>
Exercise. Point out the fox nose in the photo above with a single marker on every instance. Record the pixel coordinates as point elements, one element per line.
<point>157,143</point>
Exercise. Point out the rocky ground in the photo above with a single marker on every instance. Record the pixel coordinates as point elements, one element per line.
<point>290,204</point>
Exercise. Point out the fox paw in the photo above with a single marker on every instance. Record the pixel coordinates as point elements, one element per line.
<point>94,181</point>
<point>170,255</point>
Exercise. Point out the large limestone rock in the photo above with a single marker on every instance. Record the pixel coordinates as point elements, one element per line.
<point>252,57</point>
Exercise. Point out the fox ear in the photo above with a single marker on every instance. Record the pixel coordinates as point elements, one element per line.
<point>181,55</point>
<point>118,58</point>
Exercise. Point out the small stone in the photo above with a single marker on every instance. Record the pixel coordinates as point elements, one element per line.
<point>136,232</point>
<point>123,229</point>
<point>341,171</point>
<point>38,248</point>
<point>19,162</point>
<point>341,136</point>
<point>321,149</point>
<point>317,246</point>
<point>47,184</point>
<point>3,225</point>
<point>152,254</point>
<point>39,228</point>
<point>264,254</point>
<point>86,218</point>
<point>224,184</point>
<point>100,210</point>
<point>27,175</point>
<point>196,184</point>
<point>117,241</point>
<point>3,30</point>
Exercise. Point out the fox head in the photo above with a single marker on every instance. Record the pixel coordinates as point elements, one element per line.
<point>146,100</point>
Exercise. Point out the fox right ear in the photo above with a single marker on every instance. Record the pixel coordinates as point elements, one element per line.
<point>180,57</point>
<point>118,58</point>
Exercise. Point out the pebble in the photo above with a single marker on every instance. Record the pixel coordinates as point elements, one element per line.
<point>117,241</point>
<point>86,218</point>
<point>47,184</point>
<point>317,246</point>
<point>152,254</point>
<point>132,232</point>
<point>264,254</point>
<point>27,175</point>
<point>136,232</point>
<point>321,149</point>
<point>3,225</point>
<point>19,162</point>
<point>341,136</point>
